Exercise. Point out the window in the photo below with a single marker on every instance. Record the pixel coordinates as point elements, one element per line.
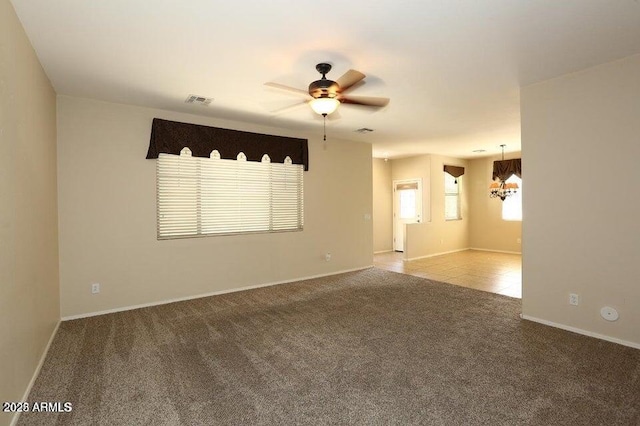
<point>451,197</point>
<point>512,205</point>
<point>408,203</point>
<point>212,196</point>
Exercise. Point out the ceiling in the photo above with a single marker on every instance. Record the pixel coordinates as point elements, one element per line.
<point>452,68</point>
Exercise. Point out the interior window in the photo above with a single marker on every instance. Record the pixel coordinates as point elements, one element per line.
<point>451,197</point>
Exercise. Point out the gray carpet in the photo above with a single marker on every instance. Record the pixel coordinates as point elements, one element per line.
<point>369,347</point>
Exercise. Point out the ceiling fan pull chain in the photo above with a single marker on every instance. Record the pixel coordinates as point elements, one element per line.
<point>324,126</point>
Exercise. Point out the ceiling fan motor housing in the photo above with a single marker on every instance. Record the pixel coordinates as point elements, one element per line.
<point>323,88</point>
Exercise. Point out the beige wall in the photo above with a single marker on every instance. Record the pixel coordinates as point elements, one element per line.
<point>29,300</point>
<point>487,229</point>
<point>583,129</point>
<point>107,207</point>
<point>382,206</point>
<point>435,234</point>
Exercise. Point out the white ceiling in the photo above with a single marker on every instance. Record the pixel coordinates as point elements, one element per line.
<point>452,68</point>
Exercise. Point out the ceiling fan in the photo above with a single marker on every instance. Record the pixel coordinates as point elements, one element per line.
<point>327,95</point>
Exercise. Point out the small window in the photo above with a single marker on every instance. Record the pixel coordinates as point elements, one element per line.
<point>512,205</point>
<point>212,196</point>
<point>407,204</point>
<point>451,197</point>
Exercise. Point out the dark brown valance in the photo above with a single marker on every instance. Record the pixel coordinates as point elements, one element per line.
<point>505,168</point>
<point>454,171</point>
<point>171,136</point>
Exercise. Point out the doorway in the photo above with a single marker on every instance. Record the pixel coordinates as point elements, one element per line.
<point>407,208</point>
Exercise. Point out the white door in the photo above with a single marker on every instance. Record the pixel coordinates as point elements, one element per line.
<point>407,208</point>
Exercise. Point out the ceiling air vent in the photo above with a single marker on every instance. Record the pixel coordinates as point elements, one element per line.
<point>198,100</point>
<point>364,130</point>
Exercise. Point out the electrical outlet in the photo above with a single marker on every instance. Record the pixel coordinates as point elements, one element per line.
<point>519,240</point>
<point>573,299</point>
<point>95,288</point>
<point>327,257</point>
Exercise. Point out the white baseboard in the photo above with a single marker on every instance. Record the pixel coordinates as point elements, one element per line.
<point>16,416</point>
<point>382,251</point>
<point>495,251</point>
<point>581,331</point>
<point>213,293</point>
<point>436,254</point>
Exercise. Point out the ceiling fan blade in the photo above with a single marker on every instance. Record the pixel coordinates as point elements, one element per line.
<point>365,100</point>
<point>352,87</point>
<point>289,108</point>
<point>348,79</point>
<point>287,88</point>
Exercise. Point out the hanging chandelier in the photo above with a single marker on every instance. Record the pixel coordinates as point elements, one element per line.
<point>501,188</point>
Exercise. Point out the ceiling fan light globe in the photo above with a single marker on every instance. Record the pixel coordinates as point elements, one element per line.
<point>324,106</point>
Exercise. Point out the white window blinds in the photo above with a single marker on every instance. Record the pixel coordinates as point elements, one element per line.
<point>212,196</point>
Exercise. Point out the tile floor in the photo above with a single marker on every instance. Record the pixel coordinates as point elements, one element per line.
<point>482,270</point>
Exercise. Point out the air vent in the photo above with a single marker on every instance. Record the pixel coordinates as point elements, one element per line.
<point>198,100</point>
<point>477,151</point>
<point>364,130</point>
